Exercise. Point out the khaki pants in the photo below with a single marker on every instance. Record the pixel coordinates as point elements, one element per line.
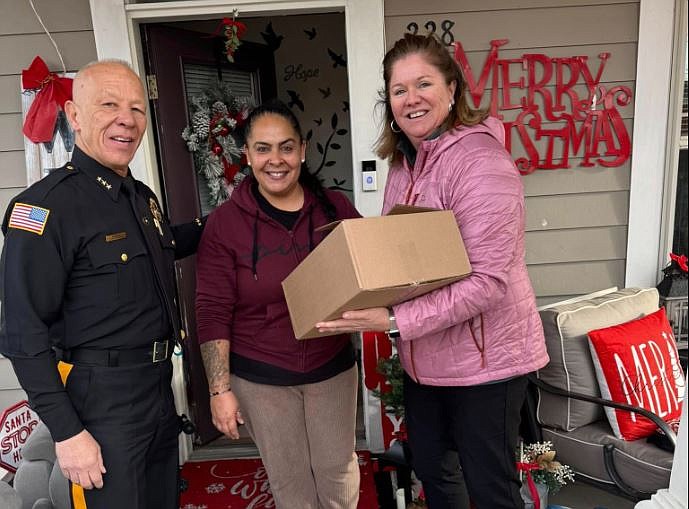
<point>306,437</point>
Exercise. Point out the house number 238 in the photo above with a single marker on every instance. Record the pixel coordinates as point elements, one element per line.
<point>446,25</point>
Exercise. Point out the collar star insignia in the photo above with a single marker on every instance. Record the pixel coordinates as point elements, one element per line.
<point>103,182</point>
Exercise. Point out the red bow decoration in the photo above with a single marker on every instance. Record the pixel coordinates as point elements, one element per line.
<point>234,31</point>
<point>681,261</point>
<point>230,22</point>
<point>52,93</point>
<point>528,467</point>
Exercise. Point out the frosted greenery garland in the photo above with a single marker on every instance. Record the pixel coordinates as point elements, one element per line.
<point>215,141</point>
<point>552,473</point>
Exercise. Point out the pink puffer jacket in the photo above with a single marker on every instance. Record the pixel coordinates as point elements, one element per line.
<point>484,327</point>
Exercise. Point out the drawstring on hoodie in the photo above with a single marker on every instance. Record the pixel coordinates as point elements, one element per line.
<point>481,348</point>
<point>254,251</point>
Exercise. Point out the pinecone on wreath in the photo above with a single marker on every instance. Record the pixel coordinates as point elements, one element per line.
<point>214,137</point>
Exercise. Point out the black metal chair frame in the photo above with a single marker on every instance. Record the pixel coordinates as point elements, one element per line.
<point>533,430</point>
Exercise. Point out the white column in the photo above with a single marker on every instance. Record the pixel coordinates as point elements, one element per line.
<point>651,103</point>
<point>365,24</point>
<point>674,497</point>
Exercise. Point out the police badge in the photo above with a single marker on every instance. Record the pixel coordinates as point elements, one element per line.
<point>157,216</point>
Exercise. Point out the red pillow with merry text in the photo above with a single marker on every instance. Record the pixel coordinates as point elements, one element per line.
<point>637,364</point>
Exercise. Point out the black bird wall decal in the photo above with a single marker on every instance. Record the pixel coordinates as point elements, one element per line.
<point>325,92</point>
<point>337,59</point>
<point>295,100</point>
<point>272,39</point>
<point>310,33</point>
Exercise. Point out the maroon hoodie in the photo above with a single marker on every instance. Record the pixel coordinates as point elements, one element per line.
<point>242,259</point>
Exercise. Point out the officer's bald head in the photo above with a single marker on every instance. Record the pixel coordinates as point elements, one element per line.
<point>92,73</point>
<point>108,112</point>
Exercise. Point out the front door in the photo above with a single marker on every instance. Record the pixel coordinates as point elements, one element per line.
<point>184,63</point>
<point>361,27</point>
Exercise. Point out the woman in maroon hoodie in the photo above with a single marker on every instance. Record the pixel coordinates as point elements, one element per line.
<point>297,398</point>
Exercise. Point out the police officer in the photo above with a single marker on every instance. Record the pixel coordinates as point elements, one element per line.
<point>88,313</point>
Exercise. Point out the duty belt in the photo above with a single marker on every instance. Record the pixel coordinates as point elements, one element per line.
<point>159,351</point>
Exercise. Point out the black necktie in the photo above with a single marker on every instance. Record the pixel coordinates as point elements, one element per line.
<point>150,231</point>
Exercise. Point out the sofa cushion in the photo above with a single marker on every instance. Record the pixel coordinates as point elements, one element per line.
<point>571,367</point>
<point>39,445</point>
<point>58,487</point>
<point>31,481</point>
<point>637,363</point>
<point>9,498</point>
<point>640,464</point>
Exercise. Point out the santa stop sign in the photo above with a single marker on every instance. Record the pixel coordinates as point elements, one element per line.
<point>16,424</point>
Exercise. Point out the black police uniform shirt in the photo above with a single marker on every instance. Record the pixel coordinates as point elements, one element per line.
<point>76,273</point>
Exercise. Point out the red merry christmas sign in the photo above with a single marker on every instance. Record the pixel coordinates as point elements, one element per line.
<point>555,120</point>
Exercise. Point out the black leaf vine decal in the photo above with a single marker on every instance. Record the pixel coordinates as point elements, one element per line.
<point>329,144</point>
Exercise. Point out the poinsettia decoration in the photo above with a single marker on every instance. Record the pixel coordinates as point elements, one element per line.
<point>234,31</point>
<point>214,137</point>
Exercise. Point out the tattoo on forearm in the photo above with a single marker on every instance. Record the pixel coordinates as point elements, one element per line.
<point>216,360</point>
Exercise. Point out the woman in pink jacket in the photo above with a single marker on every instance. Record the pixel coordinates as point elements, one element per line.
<point>467,347</point>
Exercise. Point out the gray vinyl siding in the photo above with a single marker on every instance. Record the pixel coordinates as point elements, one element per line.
<point>21,39</point>
<point>577,218</point>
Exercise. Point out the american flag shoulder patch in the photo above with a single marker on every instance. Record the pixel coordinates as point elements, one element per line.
<point>29,217</point>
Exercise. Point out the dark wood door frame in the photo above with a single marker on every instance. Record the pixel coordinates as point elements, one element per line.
<point>166,51</point>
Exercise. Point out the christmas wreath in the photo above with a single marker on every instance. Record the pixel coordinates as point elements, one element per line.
<point>214,136</point>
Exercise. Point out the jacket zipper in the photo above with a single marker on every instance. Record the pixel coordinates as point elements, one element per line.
<point>409,200</point>
<point>296,255</point>
<point>301,218</point>
<point>298,260</point>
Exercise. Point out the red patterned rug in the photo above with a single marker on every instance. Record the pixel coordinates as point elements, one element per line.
<point>243,484</point>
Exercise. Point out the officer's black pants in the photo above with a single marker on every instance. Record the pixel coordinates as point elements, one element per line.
<point>130,412</point>
<point>471,430</point>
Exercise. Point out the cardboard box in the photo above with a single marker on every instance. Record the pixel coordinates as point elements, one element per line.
<point>375,261</point>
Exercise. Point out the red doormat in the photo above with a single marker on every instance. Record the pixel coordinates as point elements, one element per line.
<point>243,484</point>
